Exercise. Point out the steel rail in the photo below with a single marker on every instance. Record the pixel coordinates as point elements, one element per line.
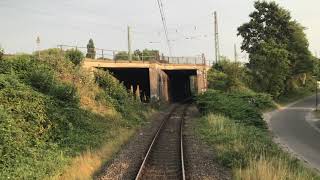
<point>181,142</point>
<point>140,173</point>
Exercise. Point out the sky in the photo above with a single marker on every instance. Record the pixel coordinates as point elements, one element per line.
<point>190,24</point>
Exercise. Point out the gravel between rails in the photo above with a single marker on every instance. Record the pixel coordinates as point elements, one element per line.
<point>200,161</point>
<point>127,162</point>
<point>164,160</point>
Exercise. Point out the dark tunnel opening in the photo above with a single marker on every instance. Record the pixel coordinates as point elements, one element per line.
<point>132,78</point>
<point>180,85</point>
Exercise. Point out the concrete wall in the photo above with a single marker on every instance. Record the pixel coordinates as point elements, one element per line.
<point>158,84</point>
<point>202,80</point>
<point>159,80</point>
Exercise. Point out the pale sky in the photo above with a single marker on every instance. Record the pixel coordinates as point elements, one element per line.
<point>73,22</point>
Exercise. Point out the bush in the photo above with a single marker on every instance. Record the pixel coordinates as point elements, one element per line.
<point>43,125</point>
<point>123,55</point>
<point>65,93</point>
<point>41,78</point>
<point>242,107</point>
<point>242,147</point>
<point>227,76</point>
<point>75,56</point>
<point>1,53</point>
<point>25,131</point>
<point>116,93</point>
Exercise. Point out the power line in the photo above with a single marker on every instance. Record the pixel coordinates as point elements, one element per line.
<point>164,23</point>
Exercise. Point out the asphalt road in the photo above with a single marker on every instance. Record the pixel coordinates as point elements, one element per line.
<point>292,129</point>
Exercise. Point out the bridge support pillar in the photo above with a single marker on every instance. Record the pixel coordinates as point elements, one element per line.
<point>201,81</point>
<point>158,85</point>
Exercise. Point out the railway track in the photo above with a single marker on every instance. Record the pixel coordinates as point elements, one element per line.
<point>164,158</point>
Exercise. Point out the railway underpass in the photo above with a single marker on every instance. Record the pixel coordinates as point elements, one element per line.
<point>156,81</point>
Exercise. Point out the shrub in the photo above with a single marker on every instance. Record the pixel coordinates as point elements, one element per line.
<point>243,148</point>
<point>42,125</point>
<point>242,107</point>
<point>75,56</point>
<point>116,93</point>
<point>227,76</point>
<point>112,88</point>
<point>91,52</point>
<point>41,78</point>
<point>1,53</point>
<point>65,93</point>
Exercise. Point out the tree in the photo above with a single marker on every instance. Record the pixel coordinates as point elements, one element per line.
<point>74,56</point>
<point>227,76</point>
<point>273,37</point>
<point>91,52</point>
<point>269,67</point>
<point>1,52</point>
<point>268,21</point>
<point>150,55</point>
<point>123,55</point>
<point>145,55</point>
<point>299,55</point>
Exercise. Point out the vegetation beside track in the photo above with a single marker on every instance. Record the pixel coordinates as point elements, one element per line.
<point>56,120</point>
<point>233,126</point>
<point>281,69</point>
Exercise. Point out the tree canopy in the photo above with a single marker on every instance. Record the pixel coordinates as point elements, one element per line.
<point>144,55</point>
<point>74,56</point>
<point>91,52</point>
<point>277,47</point>
<point>1,53</point>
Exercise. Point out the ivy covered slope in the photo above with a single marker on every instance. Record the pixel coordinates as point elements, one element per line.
<point>51,110</point>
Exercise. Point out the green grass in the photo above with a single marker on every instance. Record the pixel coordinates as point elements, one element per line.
<point>249,151</point>
<point>293,96</point>
<point>52,112</point>
<point>242,107</point>
<point>233,126</point>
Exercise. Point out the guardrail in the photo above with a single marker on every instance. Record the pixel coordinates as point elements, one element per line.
<point>114,55</point>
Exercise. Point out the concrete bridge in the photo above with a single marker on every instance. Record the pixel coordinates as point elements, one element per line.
<point>171,79</point>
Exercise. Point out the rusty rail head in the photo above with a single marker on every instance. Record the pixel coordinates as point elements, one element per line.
<point>152,143</point>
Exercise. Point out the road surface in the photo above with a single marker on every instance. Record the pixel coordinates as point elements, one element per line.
<point>290,126</point>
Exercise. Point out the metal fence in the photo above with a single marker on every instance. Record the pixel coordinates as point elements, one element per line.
<point>116,55</point>
<point>184,60</point>
<point>97,53</point>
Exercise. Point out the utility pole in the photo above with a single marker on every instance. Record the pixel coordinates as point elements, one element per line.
<point>235,53</point>
<point>216,37</point>
<point>129,44</point>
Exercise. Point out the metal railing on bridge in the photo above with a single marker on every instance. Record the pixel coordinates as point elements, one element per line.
<point>116,55</point>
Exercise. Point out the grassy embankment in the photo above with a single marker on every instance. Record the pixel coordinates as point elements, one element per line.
<point>292,97</point>
<point>233,126</point>
<point>57,121</point>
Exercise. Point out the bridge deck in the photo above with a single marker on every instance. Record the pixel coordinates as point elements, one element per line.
<point>89,63</point>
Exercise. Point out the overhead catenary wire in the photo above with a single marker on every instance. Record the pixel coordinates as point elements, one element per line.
<point>164,23</point>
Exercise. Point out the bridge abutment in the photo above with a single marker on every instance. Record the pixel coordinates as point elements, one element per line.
<point>159,81</point>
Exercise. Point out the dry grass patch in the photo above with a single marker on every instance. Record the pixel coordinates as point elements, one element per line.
<point>270,169</point>
<point>85,165</point>
<point>249,151</point>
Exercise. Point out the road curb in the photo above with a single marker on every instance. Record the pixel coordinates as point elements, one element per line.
<point>312,120</point>
<point>282,144</point>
